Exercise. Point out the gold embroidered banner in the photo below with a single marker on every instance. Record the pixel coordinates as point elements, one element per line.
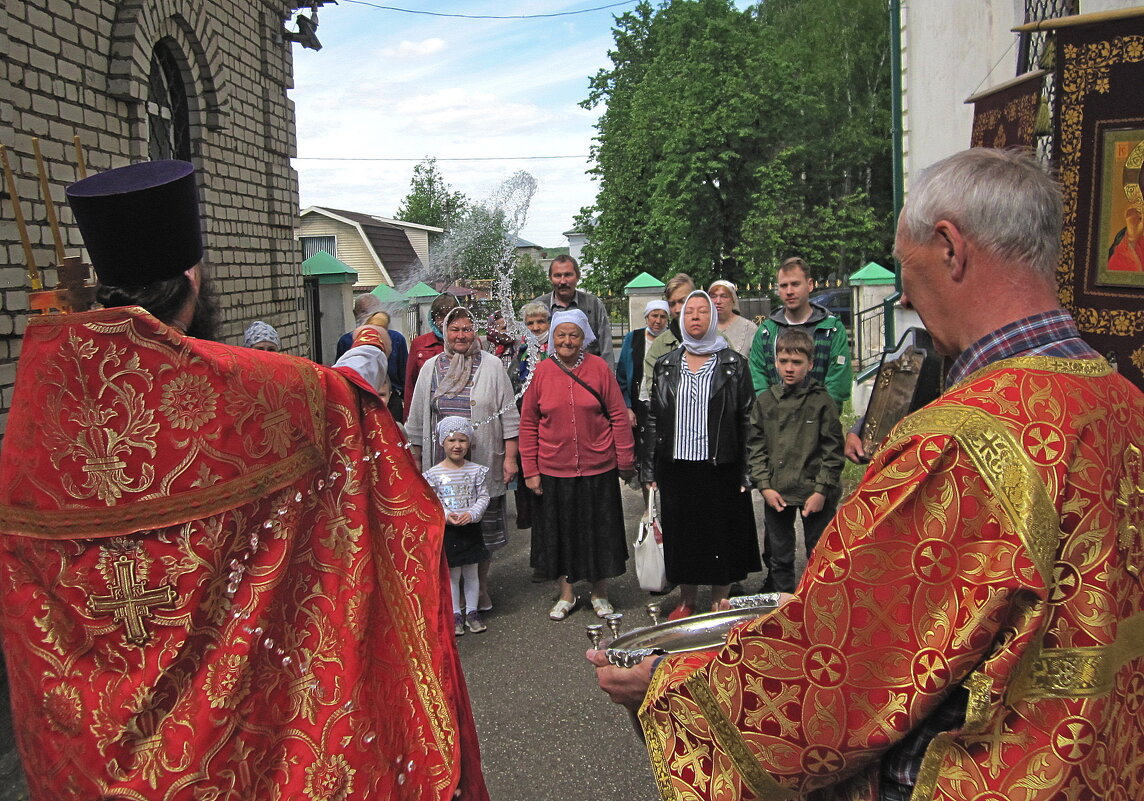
<point>1006,115</point>
<point>1099,151</point>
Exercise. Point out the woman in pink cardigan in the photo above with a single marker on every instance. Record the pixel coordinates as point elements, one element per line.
<point>575,440</point>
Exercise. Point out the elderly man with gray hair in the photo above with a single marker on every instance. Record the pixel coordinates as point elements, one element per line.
<point>970,624</point>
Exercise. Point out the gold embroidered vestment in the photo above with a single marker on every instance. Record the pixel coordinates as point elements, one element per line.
<point>222,578</point>
<point>995,544</point>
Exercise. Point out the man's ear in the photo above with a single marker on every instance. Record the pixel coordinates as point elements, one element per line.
<point>195,275</point>
<point>954,248</point>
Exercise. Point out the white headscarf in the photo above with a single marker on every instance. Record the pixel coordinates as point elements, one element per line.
<point>710,342</point>
<point>453,425</point>
<point>577,318</point>
<point>656,305</point>
<point>730,288</point>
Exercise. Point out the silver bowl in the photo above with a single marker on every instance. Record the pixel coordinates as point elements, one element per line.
<point>696,633</point>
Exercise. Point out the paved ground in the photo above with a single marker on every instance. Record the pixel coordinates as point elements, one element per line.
<point>546,730</point>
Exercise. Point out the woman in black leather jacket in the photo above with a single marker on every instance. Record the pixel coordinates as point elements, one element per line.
<point>695,451</point>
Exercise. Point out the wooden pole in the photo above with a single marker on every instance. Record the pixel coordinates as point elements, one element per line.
<point>49,204</point>
<point>80,164</point>
<point>33,273</point>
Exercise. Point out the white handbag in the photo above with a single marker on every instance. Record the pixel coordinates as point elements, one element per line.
<point>649,548</point>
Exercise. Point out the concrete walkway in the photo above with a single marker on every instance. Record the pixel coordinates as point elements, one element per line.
<point>546,729</point>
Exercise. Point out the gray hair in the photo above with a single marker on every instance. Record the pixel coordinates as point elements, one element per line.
<point>1001,199</point>
<point>365,305</point>
<point>534,309</point>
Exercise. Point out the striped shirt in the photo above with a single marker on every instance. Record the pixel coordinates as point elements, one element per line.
<point>460,489</point>
<point>442,406</point>
<point>691,403</point>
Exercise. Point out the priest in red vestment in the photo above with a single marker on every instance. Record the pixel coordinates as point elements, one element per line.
<point>222,572</point>
<point>971,624</point>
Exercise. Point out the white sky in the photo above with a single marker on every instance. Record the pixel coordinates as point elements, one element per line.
<point>389,84</point>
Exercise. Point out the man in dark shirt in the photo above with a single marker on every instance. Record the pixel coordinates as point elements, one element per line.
<point>564,273</point>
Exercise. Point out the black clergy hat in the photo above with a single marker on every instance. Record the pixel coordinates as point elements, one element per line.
<point>140,223</point>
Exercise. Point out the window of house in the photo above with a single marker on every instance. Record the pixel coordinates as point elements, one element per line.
<point>168,117</point>
<point>314,244</point>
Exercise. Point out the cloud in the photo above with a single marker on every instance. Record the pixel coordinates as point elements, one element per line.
<point>391,86</point>
<point>475,115</point>
<point>408,49</point>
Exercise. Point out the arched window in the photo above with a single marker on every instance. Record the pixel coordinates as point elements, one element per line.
<point>167,116</point>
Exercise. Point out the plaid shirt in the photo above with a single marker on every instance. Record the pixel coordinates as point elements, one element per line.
<point>1051,333</point>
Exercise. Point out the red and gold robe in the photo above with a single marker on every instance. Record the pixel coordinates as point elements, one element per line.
<point>222,578</point>
<point>995,543</point>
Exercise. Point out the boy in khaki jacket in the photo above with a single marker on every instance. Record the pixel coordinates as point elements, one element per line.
<point>795,455</point>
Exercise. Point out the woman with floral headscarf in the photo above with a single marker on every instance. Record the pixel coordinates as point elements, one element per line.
<point>576,443</point>
<point>468,383</point>
<point>695,451</point>
<point>504,346</point>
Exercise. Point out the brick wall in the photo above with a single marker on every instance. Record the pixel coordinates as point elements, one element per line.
<point>71,67</point>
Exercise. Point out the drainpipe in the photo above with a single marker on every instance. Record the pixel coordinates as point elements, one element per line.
<point>895,13</point>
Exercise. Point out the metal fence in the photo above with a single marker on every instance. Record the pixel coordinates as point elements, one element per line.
<point>869,338</point>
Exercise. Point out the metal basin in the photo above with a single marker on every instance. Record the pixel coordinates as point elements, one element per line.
<point>696,633</point>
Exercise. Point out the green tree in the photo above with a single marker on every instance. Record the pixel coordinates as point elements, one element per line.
<point>837,197</point>
<point>529,278</point>
<point>477,246</point>
<point>431,201</point>
<point>732,139</point>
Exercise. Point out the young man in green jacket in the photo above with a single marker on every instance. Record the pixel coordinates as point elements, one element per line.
<point>831,345</point>
<point>794,452</point>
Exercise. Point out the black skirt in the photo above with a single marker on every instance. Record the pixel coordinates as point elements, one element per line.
<point>709,534</point>
<point>578,528</point>
<point>464,545</point>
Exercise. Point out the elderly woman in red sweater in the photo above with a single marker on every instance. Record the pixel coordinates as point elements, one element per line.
<point>574,440</point>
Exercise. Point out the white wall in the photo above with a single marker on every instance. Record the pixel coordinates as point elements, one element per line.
<point>952,49</point>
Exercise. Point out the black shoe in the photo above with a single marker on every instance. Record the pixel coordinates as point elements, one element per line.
<point>768,584</point>
<point>736,590</point>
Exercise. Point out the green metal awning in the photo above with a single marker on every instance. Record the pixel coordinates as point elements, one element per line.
<point>327,269</point>
<point>643,281</point>
<point>872,273</point>
<point>421,290</point>
<point>387,294</point>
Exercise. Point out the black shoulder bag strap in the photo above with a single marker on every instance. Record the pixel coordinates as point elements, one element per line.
<point>580,381</point>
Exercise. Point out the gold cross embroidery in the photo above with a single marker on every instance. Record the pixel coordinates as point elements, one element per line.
<point>129,602</point>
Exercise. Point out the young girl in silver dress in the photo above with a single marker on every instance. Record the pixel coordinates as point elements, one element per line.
<point>460,485</point>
